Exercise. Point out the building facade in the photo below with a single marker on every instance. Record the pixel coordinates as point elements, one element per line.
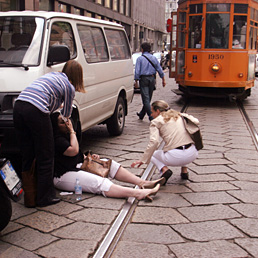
<point>143,20</point>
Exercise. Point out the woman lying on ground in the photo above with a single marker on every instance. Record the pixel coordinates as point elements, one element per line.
<point>68,160</point>
<point>179,149</point>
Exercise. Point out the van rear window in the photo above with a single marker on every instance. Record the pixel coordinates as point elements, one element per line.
<point>118,44</point>
<point>93,43</point>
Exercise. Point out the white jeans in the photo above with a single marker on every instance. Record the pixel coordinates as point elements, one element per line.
<point>90,183</point>
<point>174,157</point>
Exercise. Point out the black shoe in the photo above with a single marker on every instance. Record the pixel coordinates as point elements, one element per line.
<point>138,114</point>
<point>50,202</point>
<point>185,176</point>
<point>167,175</point>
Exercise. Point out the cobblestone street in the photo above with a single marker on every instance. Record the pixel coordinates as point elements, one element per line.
<point>212,215</point>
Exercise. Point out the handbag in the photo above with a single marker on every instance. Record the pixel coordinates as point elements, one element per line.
<point>29,183</point>
<point>194,131</point>
<point>96,166</point>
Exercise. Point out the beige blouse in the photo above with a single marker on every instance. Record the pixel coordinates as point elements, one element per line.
<point>172,132</point>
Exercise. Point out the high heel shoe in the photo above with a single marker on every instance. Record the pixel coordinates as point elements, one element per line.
<point>151,184</point>
<point>185,176</point>
<point>167,175</point>
<point>154,191</point>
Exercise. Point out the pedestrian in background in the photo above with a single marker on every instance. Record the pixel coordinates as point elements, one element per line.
<point>179,149</point>
<point>33,124</point>
<point>145,72</point>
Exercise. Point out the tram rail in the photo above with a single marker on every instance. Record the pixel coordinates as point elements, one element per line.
<point>116,230</point>
<point>249,123</point>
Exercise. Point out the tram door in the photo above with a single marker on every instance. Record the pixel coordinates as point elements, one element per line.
<point>177,69</point>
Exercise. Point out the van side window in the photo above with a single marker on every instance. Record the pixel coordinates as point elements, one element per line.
<point>62,34</point>
<point>93,44</point>
<point>118,44</point>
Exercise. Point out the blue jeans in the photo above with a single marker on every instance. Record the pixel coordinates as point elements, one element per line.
<point>147,86</point>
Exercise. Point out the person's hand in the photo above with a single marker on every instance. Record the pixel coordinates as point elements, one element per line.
<point>95,156</point>
<point>138,162</point>
<point>163,83</point>
<point>69,125</point>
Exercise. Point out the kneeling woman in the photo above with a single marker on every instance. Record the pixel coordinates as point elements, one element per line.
<point>179,149</point>
<point>68,160</point>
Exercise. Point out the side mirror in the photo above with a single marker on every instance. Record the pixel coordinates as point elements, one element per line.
<point>58,54</point>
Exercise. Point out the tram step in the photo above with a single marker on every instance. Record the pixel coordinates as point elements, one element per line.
<point>178,92</point>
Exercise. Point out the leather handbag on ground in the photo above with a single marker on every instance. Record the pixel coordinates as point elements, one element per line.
<point>29,183</point>
<point>96,166</point>
<point>193,129</point>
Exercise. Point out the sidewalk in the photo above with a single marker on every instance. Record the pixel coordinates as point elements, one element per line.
<point>215,214</point>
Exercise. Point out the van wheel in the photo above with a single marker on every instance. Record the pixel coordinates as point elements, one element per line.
<point>5,209</point>
<point>116,123</point>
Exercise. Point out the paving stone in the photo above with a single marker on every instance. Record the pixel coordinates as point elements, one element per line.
<point>213,212</point>
<point>19,210</point>
<point>157,234</point>
<point>202,162</point>
<point>248,210</point>
<point>68,249</point>
<point>249,244</point>
<point>93,215</point>
<point>99,201</point>
<point>245,196</point>
<point>243,168</point>
<point>245,185</point>
<point>175,188</point>
<point>12,226</point>
<point>212,186</point>
<point>81,230</point>
<point>209,198</point>
<point>167,200</point>
<point>136,250</point>
<point>11,251</point>
<point>249,162</point>
<point>212,169</point>
<point>207,231</point>
<point>248,225</point>
<point>155,215</point>
<point>43,221</point>
<point>62,208</point>
<point>210,178</point>
<point>212,249</point>
<point>28,239</point>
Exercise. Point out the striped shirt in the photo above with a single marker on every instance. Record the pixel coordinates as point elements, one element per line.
<point>48,93</point>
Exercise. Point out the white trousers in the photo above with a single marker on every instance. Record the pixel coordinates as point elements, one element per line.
<point>90,183</point>
<point>174,157</point>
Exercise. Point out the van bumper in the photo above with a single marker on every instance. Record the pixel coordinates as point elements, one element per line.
<point>6,121</point>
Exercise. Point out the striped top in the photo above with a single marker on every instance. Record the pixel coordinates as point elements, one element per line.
<point>48,93</point>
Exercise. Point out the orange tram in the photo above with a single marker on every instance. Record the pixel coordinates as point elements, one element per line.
<point>213,47</point>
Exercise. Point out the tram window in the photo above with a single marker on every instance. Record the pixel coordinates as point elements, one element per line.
<point>195,8</point>
<point>240,8</point>
<point>195,33</point>
<point>181,35</point>
<point>217,30</point>
<point>218,7</point>
<point>181,62</point>
<point>252,38</point>
<point>239,32</point>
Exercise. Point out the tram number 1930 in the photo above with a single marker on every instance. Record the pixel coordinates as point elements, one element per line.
<point>216,56</point>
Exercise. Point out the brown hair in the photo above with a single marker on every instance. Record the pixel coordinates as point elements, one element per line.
<point>74,72</point>
<point>165,110</point>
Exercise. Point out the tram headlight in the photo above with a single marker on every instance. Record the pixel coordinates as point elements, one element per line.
<point>190,74</point>
<point>215,68</point>
<point>240,75</point>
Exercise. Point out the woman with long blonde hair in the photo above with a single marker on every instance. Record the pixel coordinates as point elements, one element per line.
<point>179,149</point>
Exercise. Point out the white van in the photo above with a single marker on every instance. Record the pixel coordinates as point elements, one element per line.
<point>35,43</point>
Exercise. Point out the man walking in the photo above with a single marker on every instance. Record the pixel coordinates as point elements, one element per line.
<point>145,72</point>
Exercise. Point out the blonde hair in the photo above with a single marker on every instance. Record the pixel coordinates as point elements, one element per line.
<point>165,110</point>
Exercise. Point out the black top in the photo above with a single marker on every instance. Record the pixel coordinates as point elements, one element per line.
<point>64,163</point>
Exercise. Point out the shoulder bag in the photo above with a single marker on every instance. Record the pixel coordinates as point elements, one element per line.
<point>194,131</point>
<point>96,166</point>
